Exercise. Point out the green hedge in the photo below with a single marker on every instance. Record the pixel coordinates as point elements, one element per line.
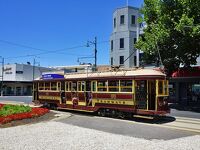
<point>13,109</point>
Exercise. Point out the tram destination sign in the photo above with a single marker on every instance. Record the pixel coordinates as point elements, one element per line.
<point>52,76</point>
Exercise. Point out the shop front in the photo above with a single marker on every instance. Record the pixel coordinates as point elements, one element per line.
<point>184,87</point>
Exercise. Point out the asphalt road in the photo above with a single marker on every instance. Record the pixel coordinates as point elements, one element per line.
<point>125,127</point>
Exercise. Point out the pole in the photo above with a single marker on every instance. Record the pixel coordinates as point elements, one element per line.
<point>2,73</point>
<point>138,51</point>
<point>33,69</point>
<point>95,50</point>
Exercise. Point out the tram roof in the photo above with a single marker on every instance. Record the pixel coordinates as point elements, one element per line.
<point>120,73</point>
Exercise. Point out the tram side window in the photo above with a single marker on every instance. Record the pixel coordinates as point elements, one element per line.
<point>41,86</point>
<point>102,85</point>
<point>47,86</point>
<point>126,85</point>
<point>94,86</point>
<point>59,86</point>
<point>81,86</point>
<point>113,86</point>
<point>74,86</point>
<point>70,86</point>
<point>66,86</point>
<point>53,86</point>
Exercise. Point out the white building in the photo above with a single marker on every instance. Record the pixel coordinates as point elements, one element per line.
<point>76,68</point>
<point>123,37</point>
<point>17,78</point>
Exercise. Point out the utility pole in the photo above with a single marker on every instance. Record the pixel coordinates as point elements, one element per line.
<point>2,73</point>
<point>137,50</point>
<point>34,65</point>
<point>33,69</point>
<point>95,50</point>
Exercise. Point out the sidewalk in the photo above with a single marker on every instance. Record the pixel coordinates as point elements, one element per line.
<point>184,111</point>
<point>18,103</point>
<point>184,108</point>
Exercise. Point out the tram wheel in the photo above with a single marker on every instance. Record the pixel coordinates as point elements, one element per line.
<point>102,113</point>
<point>113,113</point>
<point>53,106</point>
<point>121,115</point>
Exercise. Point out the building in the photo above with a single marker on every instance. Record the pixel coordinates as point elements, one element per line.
<point>75,68</point>
<point>124,36</point>
<point>17,78</point>
<point>184,86</point>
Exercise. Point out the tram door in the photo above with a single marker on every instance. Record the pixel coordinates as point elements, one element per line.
<point>62,93</point>
<point>88,93</point>
<point>151,94</point>
<point>141,94</point>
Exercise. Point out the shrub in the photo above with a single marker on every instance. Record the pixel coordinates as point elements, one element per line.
<point>13,109</point>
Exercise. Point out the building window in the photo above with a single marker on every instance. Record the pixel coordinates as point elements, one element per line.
<point>121,60</point>
<point>121,43</point>
<point>122,19</point>
<point>19,72</point>
<point>111,61</point>
<point>111,45</point>
<point>114,22</point>
<point>135,40</point>
<point>135,59</point>
<point>132,20</point>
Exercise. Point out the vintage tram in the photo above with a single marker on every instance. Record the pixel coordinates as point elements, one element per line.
<point>116,93</point>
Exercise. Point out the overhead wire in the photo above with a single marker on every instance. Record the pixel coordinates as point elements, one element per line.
<point>43,50</point>
<point>48,51</point>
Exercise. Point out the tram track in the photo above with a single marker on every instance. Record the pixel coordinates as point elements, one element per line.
<point>179,123</point>
<point>182,123</point>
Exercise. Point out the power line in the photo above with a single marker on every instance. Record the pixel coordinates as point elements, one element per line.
<point>34,48</point>
<point>47,51</point>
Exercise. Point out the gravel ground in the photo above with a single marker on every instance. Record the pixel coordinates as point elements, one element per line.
<point>59,136</point>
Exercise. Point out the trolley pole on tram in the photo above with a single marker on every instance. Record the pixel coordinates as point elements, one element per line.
<point>95,51</point>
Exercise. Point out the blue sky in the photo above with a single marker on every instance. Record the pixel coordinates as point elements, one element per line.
<point>30,27</point>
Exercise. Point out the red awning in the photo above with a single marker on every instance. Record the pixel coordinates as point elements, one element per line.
<point>187,72</point>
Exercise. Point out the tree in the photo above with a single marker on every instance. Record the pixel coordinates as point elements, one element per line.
<point>173,32</point>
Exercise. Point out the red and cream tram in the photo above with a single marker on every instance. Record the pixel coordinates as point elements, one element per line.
<point>115,93</point>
